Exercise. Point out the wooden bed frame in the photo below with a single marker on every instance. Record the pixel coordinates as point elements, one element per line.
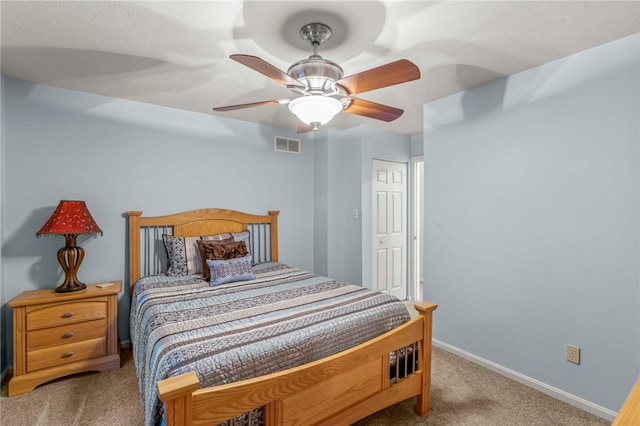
<point>339,389</point>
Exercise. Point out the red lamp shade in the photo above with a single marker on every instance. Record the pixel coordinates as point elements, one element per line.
<point>71,218</point>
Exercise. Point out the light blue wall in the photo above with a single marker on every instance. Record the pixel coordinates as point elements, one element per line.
<point>345,187</point>
<point>532,221</point>
<point>120,155</point>
<point>417,145</point>
<point>321,203</point>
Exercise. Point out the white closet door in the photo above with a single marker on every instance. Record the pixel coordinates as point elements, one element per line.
<point>390,227</point>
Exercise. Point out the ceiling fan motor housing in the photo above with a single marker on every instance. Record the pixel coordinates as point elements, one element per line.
<point>317,74</point>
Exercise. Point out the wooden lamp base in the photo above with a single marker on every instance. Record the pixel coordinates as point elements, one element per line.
<point>70,257</point>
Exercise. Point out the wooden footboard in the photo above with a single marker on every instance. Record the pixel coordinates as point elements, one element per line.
<point>340,389</point>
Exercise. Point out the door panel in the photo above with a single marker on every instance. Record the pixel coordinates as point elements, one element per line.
<point>381,269</point>
<point>382,213</point>
<point>398,268</point>
<point>399,222</point>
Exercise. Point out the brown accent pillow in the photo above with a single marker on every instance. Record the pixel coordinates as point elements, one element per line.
<point>220,250</point>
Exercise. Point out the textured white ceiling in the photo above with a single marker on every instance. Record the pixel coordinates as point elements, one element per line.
<point>176,53</point>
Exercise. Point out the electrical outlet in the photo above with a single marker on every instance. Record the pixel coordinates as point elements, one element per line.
<point>573,354</point>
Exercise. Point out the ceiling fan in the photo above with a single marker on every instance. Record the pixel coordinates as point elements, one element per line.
<point>323,89</point>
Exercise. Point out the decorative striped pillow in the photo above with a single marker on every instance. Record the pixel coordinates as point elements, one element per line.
<point>230,270</point>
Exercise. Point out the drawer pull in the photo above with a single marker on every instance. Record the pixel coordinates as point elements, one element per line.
<point>68,334</point>
<point>67,315</point>
<point>67,354</point>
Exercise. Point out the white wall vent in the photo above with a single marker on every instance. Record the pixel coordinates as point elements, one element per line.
<point>286,145</point>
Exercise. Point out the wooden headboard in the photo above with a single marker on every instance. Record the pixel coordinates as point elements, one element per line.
<point>146,249</point>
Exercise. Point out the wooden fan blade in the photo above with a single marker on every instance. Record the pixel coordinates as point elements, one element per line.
<point>267,69</point>
<point>253,104</point>
<point>397,72</point>
<point>304,127</point>
<point>373,110</point>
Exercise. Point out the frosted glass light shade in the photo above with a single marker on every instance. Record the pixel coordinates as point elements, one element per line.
<point>316,109</point>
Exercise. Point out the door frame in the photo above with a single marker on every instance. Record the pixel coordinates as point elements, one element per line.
<point>416,238</point>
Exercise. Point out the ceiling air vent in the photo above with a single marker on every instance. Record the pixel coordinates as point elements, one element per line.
<point>286,145</point>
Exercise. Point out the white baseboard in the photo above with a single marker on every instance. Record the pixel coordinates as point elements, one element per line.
<point>554,392</point>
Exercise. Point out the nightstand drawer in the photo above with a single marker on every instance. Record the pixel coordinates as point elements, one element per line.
<point>66,313</point>
<point>66,334</point>
<point>64,354</point>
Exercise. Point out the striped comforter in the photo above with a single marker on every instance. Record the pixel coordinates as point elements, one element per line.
<point>284,318</point>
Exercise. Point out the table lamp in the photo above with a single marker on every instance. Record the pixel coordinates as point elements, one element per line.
<point>71,218</point>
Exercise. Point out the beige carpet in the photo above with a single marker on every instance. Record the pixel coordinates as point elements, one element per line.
<point>462,394</point>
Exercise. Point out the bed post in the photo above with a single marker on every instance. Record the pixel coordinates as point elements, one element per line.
<point>424,399</point>
<point>134,247</point>
<point>176,393</point>
<point>274,234</point>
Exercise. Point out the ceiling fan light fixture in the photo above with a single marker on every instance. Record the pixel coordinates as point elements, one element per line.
<point>315,109</point>
<point>325,92</point>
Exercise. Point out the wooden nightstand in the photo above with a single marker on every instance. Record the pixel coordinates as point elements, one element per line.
<point>57,334</point>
